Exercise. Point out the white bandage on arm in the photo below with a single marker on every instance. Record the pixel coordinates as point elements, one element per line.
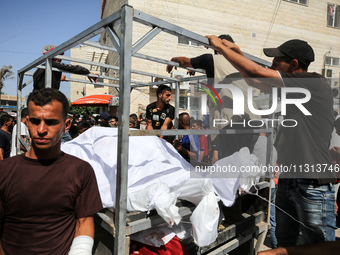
<point>81,245</point>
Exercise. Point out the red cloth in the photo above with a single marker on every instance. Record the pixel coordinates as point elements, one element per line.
<point>204,144</point>
<point>173,247</point>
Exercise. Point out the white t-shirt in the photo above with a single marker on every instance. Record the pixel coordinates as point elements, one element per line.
<point>24,132</point>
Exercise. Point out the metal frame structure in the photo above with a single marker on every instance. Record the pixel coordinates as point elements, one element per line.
<point>123,45</point>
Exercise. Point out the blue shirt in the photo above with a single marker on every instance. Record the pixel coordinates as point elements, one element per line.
<point>194,145</point>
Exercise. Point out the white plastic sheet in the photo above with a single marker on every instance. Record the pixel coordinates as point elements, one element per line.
<point>157,176</point>
<point>151,160</point>
<point>227,188</point>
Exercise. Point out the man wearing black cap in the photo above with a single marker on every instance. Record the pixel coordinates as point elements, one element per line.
<point>306,190</point>
<point>104,119</point>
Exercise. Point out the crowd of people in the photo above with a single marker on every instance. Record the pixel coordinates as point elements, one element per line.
<point>36,218</point>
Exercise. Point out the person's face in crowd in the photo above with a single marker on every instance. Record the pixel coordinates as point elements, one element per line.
<point>114,123</point>
<point>133,121</point>
<point>131,125</point>
<point>280,65</point>
<point>46,125</point>
<point>194,126</point>
<point>10,123</point>
<point>103,122</point>
<point>165,97</point>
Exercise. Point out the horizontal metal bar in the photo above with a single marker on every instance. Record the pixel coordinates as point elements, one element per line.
<point>238,241</point>
<point>257,60</point>
<point>103,83</point>
<point>93,83</point>
<point>137,83</point>
<point>149,20</point>
<point>111,67</point>
<point>147,223</point>
<point>83,61</point>
<point>81,37</point>
<point>158,132</point>
<point>141,56</point>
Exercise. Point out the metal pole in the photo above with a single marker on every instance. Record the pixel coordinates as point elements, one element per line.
<point>19,96</point>
<point>177,93</point>
<point>48,73</point>
<point>123,130</point>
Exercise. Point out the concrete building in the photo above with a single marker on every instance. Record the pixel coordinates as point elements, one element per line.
<point>252,24</point>
<point>79,89</point>
<point>9,103</point>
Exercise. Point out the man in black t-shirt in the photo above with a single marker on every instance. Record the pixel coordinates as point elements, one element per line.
<point>57,77</point>
<point>160,113</point>
<point>218,71</point>
<point>305,192</point>
<point>7,124</point>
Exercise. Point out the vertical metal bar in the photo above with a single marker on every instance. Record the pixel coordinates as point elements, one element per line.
<point>48,73</point>
<point>123,130</point>
<point>269,161</point>
<point>19,97</point>
<point>269,156</point>
<point>177,93</point>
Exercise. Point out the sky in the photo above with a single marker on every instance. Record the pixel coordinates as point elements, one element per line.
<point>26,26</point>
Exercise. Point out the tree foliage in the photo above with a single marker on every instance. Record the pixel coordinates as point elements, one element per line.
<point>82,110</point>
<point>5,73</point>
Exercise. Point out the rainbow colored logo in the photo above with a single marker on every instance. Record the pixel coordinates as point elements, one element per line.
<point>209,93</point>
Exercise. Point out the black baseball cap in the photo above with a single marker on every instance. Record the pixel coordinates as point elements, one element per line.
<point>295,48</point>
<point>104,115</point>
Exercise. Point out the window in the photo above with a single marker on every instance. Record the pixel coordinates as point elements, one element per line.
<point>304,2</point>
<point>183,40</point>
<point>183,102</point>
<point>333,15</point>
<point>332,61</point>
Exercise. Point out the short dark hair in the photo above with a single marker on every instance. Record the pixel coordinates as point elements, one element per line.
<point>84,125</point>
<point>288,59</point>
<point>162,88</point>
<point>73,131</point>
<point>115,118</point>
<point>226,37</point>
<point>24,112</point>
<point>45,96</point>
<point>133,116</point>
<point>4,118</point>
<point>199,123</point>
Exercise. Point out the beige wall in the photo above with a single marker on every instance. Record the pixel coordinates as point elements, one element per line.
<point>272,23</point>
<point>85,52</point>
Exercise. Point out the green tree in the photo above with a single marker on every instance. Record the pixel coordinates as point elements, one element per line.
<point>5,73</point>
<point>82,110</point>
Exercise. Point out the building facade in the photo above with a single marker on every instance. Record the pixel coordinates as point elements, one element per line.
<point>80,89</point>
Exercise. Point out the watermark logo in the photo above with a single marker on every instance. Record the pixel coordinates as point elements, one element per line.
<point>239,100</point>
<point>209,93</point>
